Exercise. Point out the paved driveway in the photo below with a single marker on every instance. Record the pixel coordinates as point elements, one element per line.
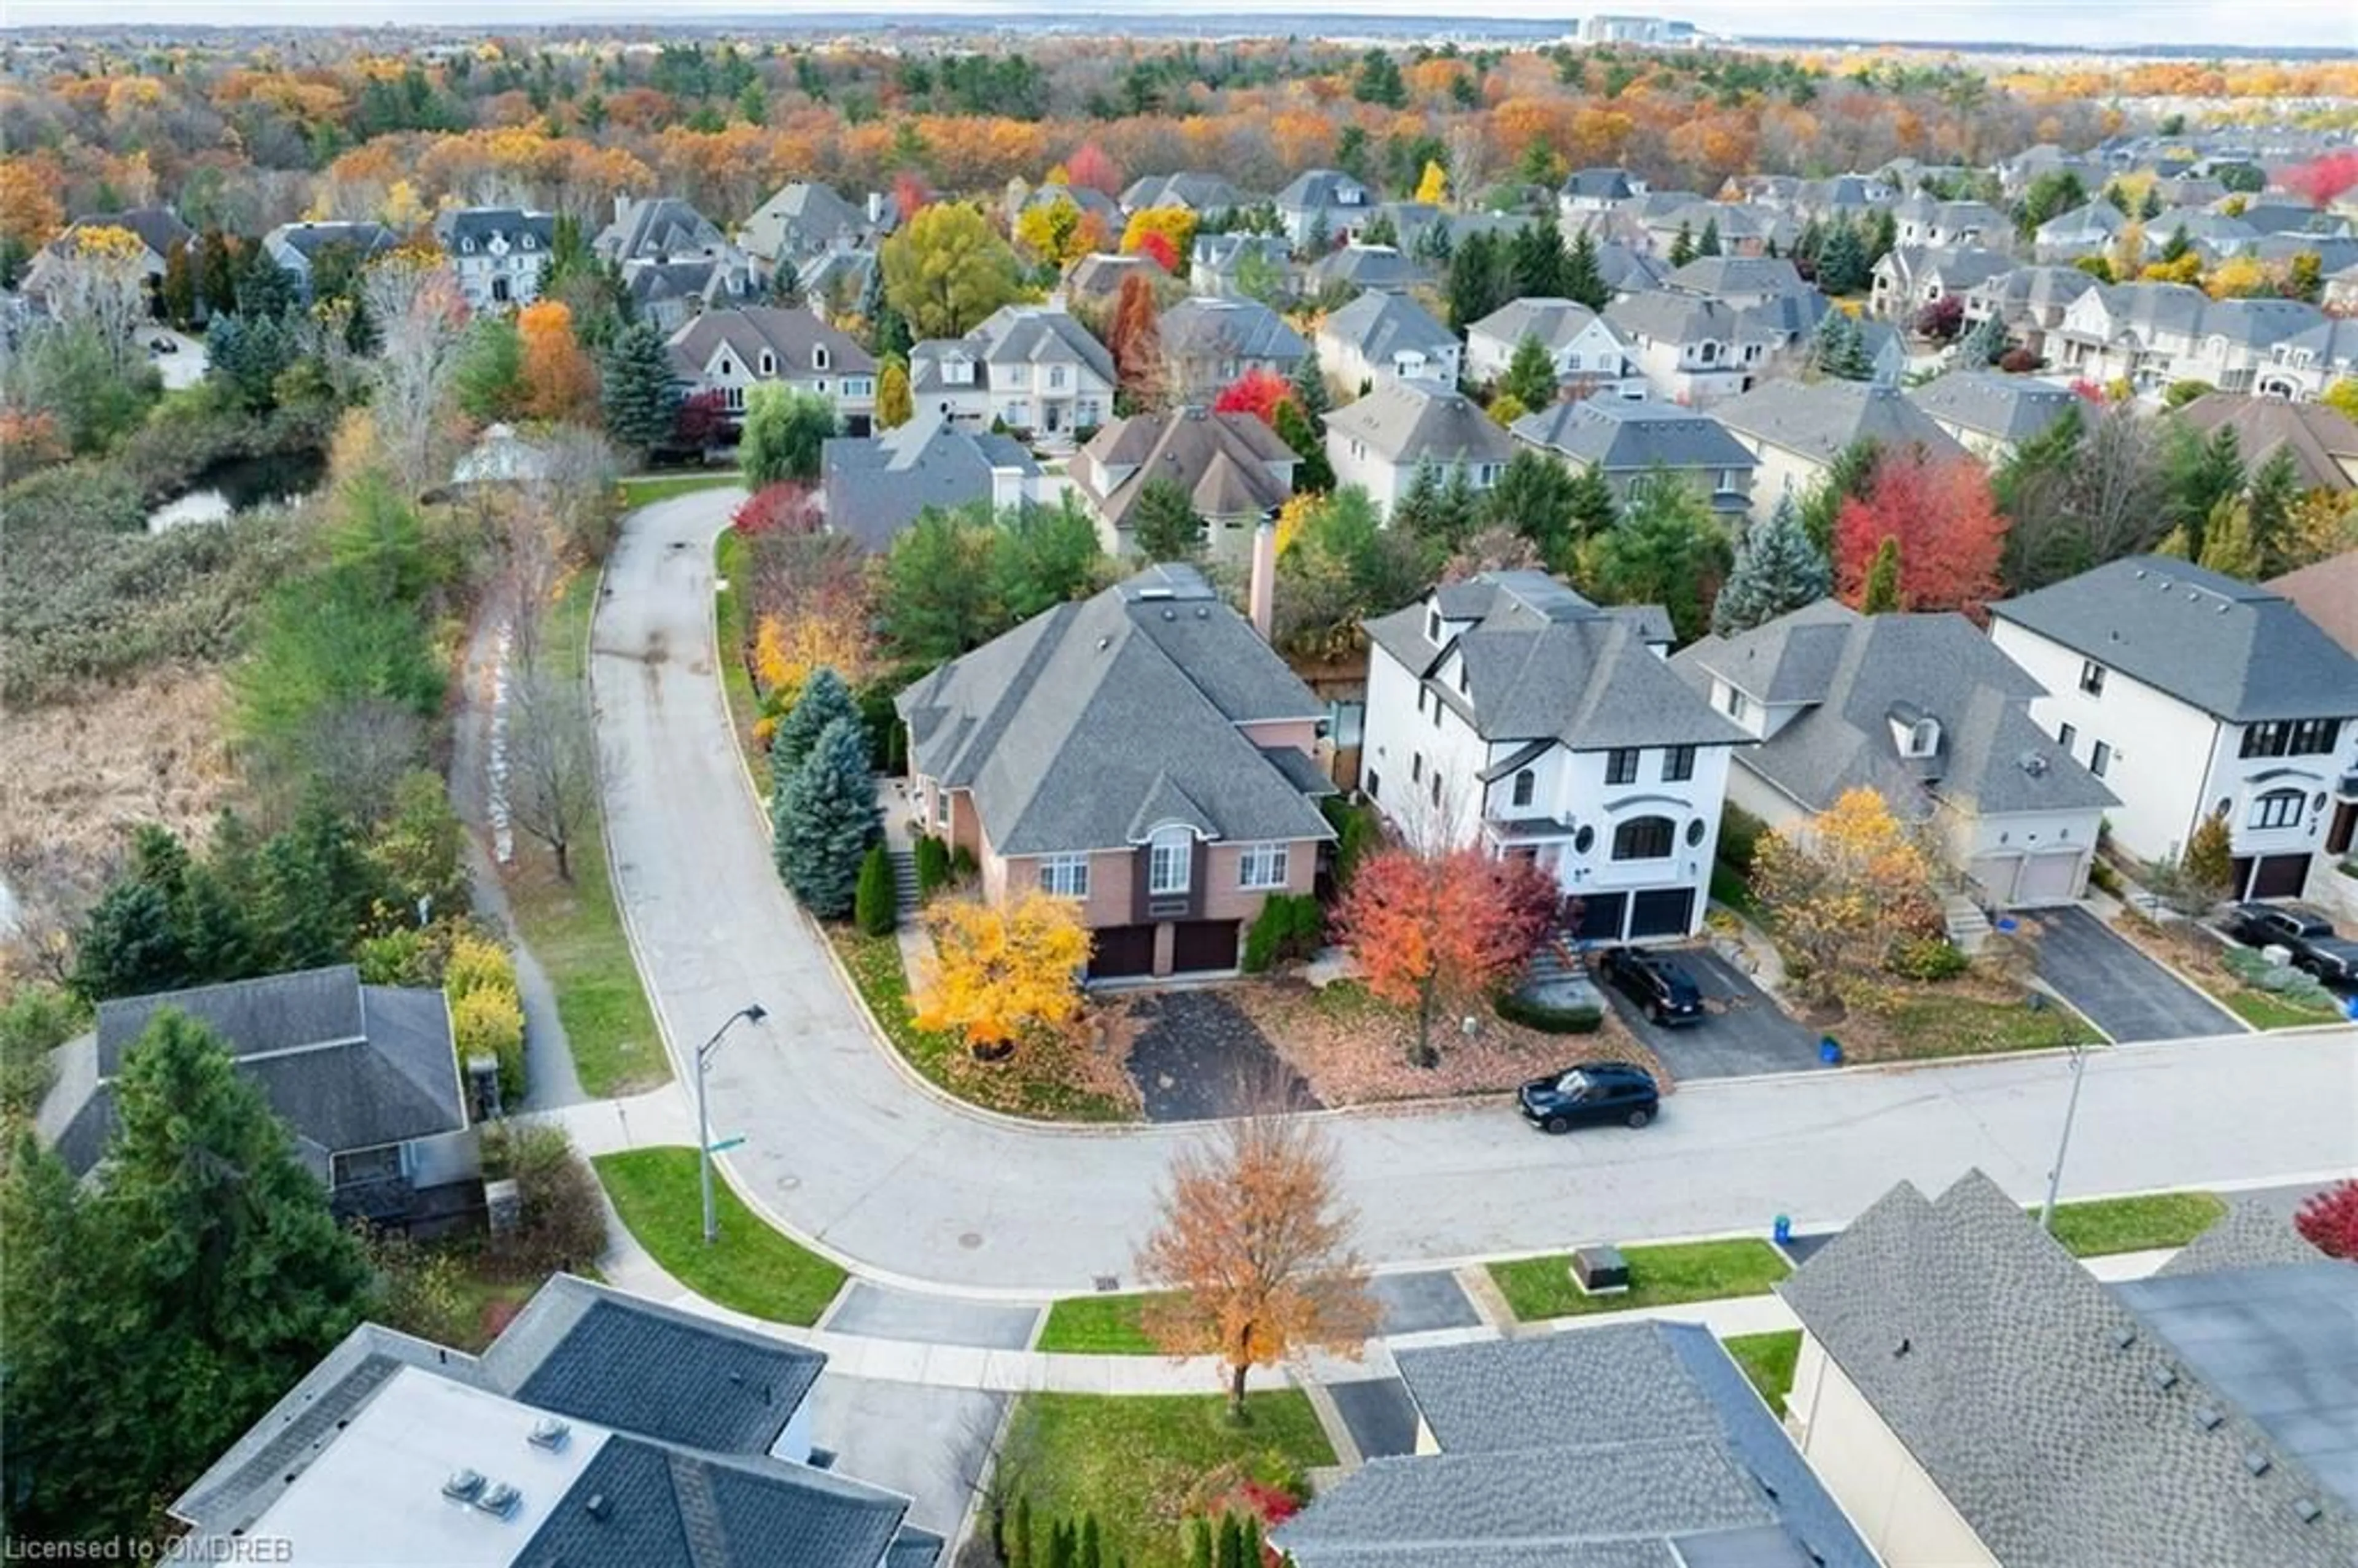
<point>1380,1415</point>
<point>1198,1057</point>
<point>2118,988</point>
<point>926,1442</point>
<point>1745,1033</point>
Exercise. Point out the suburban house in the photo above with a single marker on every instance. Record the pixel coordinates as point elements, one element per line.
<point>1380,442</point>
<point>2303,365</point>
<point>806,219</point>
<point>1973,1396</point>
<point>2327,592</point>
<point>1354,268</point>
<point>875,487</point>
<point>674,261</point>
<point>669,292</point>
<point>732,352</point>
<point>1625,441</point>
<point>1588,357</point>
<point>1214,262</point>
<point>365,1077</point>
<point>1923,710</point>
<point>1145,753</point>
<point>2151,334</point>
<point>296,246</point>
<point>1909,277</point>
<point>1510,712</point>
<point>1846,197</point>
<point>498,254</point>
<point>1095,279</point>
<point>1588,190</point>
<point>1923,220</point>
<point>2319,438</point>
<point>1323,206</point>
<point>2030,301</point>
<point>2195,693</point>
<point>1638,1443</point>
<point>1029,367</point>
<point>1797,429</point>
<point>1685,345</point>
<point>598,1429</point>
<point>1380,338</point>
<point>1208,343</point>
<point>1738,280</point>
<point>1199,192</point>
<point>2085,230</point>
<point>1744,230</point>
<point>1235,469</point>
<point>1991,414</point>
<point>157,229</point>
<point>657,229</point>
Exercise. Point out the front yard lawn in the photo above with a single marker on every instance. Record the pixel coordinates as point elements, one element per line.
<point>732,637</point>
<point>2204,959</point>
<point>646,489</point>
<point>1900,1021</point>
<point>752,1267</point>
<point>1099,1326</point>
<point>1145,1464</point>
<point>1541,1288</point>
<point>1060,1080</point>
<point>2141,1224</point>
<point>1768,1360</point>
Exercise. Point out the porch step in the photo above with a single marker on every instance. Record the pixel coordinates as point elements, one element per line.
<point>904,880</point>
<point>1968,927</point>
<point>1557,959</point>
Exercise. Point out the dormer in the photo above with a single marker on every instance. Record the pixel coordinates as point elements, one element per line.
<point>958,370</point>
<point>818,356</point>
<point>769,362</point>
<point>1915,733</point>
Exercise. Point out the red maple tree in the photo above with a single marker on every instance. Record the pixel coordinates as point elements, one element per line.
<point>1949,530</point>
<point>786,507</point>
<point>700,421</point>
<point>1157,247</point>
<point>2325,179</point>
<point>1090,165</point>
<point>1258,393</point>
<point>1428,929</point>
<point>2329,1220</point>
<point>910,195</point>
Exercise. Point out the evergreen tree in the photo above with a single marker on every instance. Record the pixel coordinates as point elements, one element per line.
<point>1538,261</point>
<point>825,698</point>
<point>1064,1546</point>
<point>1421,507</point>
<point>63,1337</point>
<point>1232,1542</point>
<point>1777,569</point>
<point>1252,1551</point>
<point>1886,238</point>
<point>1683,246</point>
<point>1708,245</point>
<point>875,908</point>
<point>2274,494</point>
<point>1807,246</point>
<point>1844,266</point>
<point>1019,1549</point>
<point>1199,1544</point>
<point>1592,506</point>
<point>1666,550</point>
<point>832,820</point>
<point>2198,473</point>
<point>1312,473</point>
<point>637,391</point>
<point>1530,377</point>
<point>180,297</point>
<point>130,945</point>
<point>216,272</point>
<point>1164,524</point>
<point>1310,384</point>
<point>1838,348</point>
<point>1092,1543</point>
<point>1534,498</point>
<point>1480,279</point>
<point>1583,279</point>
<point>2176,245</point>
<point>1852,471</point>
<point>1882,593</point>
<point>1983,344</point>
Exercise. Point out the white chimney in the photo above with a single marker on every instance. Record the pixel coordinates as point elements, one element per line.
<point>875,207</point>
<point>1263,594</point>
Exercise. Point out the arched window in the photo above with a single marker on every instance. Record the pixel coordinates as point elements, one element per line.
<point>1643,839</point>
<point>2278,809</point>
<point>1170,860</point>
<point>769,362</point>
<point>1526,782</point>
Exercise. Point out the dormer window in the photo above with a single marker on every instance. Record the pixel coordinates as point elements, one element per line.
<point>529,243</point>
<point>467,247</point>
<point>1924,737</point>
<point>819,357</point>
<point>769,362</point>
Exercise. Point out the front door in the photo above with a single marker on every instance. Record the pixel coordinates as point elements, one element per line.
<point>2346,821</point>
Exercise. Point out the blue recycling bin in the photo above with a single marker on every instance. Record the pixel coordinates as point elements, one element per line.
<point>1829,1052</point>
<point>1783,1230</point>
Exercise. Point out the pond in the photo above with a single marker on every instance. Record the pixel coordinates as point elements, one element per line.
<point>240,485</point>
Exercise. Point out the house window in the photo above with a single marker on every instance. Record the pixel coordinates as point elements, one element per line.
<point>1422,697</point>
<point>1677,764</point>
<point>1572,361</point>
<point>2100,759</point>
<point>2092,677</point>
<point>1261,866</point>
<point>1526,784</point>
<point>1435,790</point>
<point>2064,735</point>
<point>818,356</point>
<point>1432,627</point>
<point>1643,839</point>
<point>1461,679</point>
<point>858,387</point>
<point>769,362</point>
<point>2314,737</point>
<point>1065,875</point>
<point>1171,861</point>
<point>1416,767</point>
<point>1621,765</point>
<point>1437,711</point>
<point>2278,809</point>
<point>942,807</point>
<point>1375,784</point>
<point>1056,375</point>
<point>1737,704</point>
<point>382,1164</point>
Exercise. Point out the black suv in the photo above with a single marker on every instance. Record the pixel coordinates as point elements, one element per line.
<point>1665,990</point>
<point>2301,931</point>
<point>1591,1092</point>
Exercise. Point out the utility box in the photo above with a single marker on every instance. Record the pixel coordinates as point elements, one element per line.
<point>503,1206</point>
<point>1600,1271</point>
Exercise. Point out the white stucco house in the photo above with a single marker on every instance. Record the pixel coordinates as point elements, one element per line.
<point>1924,711</point>
<point>1510,712</point>
<point>1381,338</point>
<point>497,252</point>
<point>1588,357</point>
<point>2190,693</point>
<point>1380,442</point>
<point>732,352</point>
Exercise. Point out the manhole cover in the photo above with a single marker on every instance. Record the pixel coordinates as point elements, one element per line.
<point>970,1240</point>
<point>1109,1282</point>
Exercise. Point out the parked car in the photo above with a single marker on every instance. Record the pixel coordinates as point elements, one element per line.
<point>2301,931</point>
<point>1592,1092</point>
<point>160,345</point>
<point>1660,986</point>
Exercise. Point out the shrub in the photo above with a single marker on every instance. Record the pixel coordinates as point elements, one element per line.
<point>1926,958</point>
<point>1549,1018</point>
<point>963,866</point>
<point>37,1020</point>
<point>2019,361</point>
<point>490,1023</point>
<point>933,866</point>
<point>1358,834</point>
<point>1739,838</point>
<point>563,1222</point>
<point>2251,967</point>
<point>873,905</point>
<point>2106,879</point>
<point>1289,926</point>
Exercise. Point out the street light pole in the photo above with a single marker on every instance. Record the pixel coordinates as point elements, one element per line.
<point>752,1013</point>
<point>2063,1145</point>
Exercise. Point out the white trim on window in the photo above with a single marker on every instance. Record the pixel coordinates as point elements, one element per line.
<point>1065,875</point>
<point>1261,866</point>
<point>1170,862</point>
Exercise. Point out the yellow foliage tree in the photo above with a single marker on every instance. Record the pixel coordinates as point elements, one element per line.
<point>1299,508</point>
<point>1175,223</point>
<point>2237,278</point>
<point>1843,887</point>
<point>999,971</point>
<point>2320,525</point>
<point>477,963</point>
<point>403,209</point>
<point>2187,268</point>
<point>486,1009</point>
<point>1434,189</point>
<point>30,212</point>
<point>1049,229</point>
<point>788,651</point>
<point>895,405</point>
<point>1506,408</point>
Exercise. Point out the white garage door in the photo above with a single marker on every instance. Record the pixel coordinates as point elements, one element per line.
<point>2048,878</point>
<point>1994,876</point>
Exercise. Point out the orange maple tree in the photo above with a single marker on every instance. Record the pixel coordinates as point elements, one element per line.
<point>1431,928</point>
<point>1949,530</point>
<point>559,381</point>
<point>1254,1250</point>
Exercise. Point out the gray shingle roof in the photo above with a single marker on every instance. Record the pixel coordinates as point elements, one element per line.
<point>484,224</point>
<point>1668,318</point>
<point>1381,325</point>
<point>2249,1234</point>
<point>2232,649</point>
<point>1231,465</point>
<point>1555,322</point>
<point>1192,188</point>
<point>2012,409</point>
<point>795,336</point>
<point>875,487</point>
<point>1367,267</point>
<point>1065,727</point>
<point>346,1065</point>
<point>805,217</point>
<point>658,228</point>
<point>1720,276</point>
<point>1818,419</point>
<point>1853,671</point>
<point>1237,329</point>
<point>1411,422</point>
<point>309,239</point>
<point>2321,439</point>
<point>1543,663</point>
<point>1621,437</point>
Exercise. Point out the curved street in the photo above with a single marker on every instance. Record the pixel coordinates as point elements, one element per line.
<point>844,1150</point>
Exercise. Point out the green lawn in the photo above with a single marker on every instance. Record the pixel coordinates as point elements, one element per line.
<point>1728,888</point>
<point>1099,1326</point>
<point>1768,1360</point>
<point>647,489</point>
<point>2135,1225</point>
<point>1144,1464</point>
<point>574,928</point>
<point>1539,1288</point>
<point>2263,1010</point>
<point>1903,1021</point>
<point>751,1268</point>
<point>730,566</point>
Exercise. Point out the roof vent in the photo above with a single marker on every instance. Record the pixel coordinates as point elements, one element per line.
<point>549,1433</point>
<point>2034,764</point>
<point>2208,1417</point>
<point>1170,615</point>
<point>2123,1336</point>
<point>1902,1347</point>
<point>463,1487</point>
<point>2164,1377</point>
<point>500,1500</point>
<point>2308,1512</point>
<point>598,1506</point>
<point>1103,643</point>
<point>1203,612</point>
<point>2256,1462</point>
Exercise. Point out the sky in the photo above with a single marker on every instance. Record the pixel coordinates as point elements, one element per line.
<point>2192,23</point>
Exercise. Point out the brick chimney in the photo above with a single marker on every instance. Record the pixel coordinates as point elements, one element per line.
<point>1263,594</point>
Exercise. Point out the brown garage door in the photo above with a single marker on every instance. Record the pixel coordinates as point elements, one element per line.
<point>1200,945</point>
<point>1118,951</point>
<point>2280,876</point>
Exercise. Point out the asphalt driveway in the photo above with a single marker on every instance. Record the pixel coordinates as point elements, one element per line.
<point>2118,988</point>
<point>930,1444</point>
<point>1743,1034</point>
<point>1197,1058</point>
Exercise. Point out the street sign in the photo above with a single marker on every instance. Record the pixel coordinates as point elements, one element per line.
<point>725,1145</point>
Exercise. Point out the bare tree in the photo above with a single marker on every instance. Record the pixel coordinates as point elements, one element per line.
<point>98,275</point>
<point>579,469</point>
<point>420,317</point>
<point>552,761</point>
<point>359,749</point>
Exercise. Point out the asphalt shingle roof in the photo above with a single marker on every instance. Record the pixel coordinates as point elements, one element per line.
<point>1236,329</point>
<point>1068,727</point>
<point>792,336</point>
<point>2236,650</point>
<point>1622,437</point>
<point>1667,318</point>
<point>1411,422</point>
<point>1555,322</point>
<point>2321,439</point>
<point>2037,1399</point>
<point>1229,464</point>
<point>2012,409</point>
<point>1381,325</point>
<point>1818,420</point>
<point>875,487</point>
